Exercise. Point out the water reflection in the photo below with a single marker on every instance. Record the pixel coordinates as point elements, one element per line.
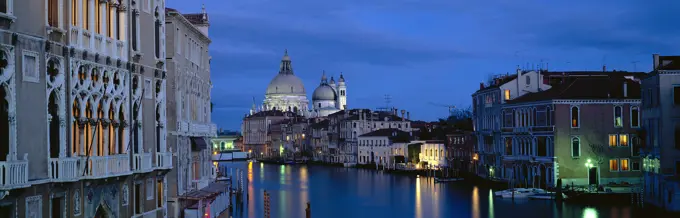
<point>475,202</point>
<point>491,208</point>
<point>589,212</point>
<point>419,210</point>
<point>342,193</point>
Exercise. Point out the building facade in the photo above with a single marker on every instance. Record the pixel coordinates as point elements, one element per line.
<point>379,147</point>
<point>260,129</point>
<point>583,131</point>
<point>486,106</point>
<point>84,161</point>
<point>347,125</point>
<point>460,146</point>
<point>189,117</point>
<point>661,154</point>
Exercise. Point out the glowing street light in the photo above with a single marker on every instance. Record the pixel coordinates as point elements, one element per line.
<point>589,164</point>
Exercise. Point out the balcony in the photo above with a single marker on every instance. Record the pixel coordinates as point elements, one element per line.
<point>107,166</point>
<point>65,169</point>
<point>197,129</point>
<point>14,173</point>
<point>142,163</point>
<point>98,44</point>
<point>164,160</point>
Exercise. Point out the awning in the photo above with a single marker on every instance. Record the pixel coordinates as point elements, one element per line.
<point>198,143</point>
<point>212,190</point>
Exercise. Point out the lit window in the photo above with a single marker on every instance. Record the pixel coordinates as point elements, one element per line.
<point>53,13</point>
<point>613,165</point>
<point>612,140</point>
<point>575,119</point>
<point>624,165</point>
<point>507,94</point>
<point>623,140</point>
<point>618,117</point>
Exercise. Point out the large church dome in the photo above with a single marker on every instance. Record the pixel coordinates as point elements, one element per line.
<point>286,82</point>
<point>324,92</point>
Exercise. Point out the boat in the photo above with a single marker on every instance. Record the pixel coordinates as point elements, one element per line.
<point>253,160</point>
<point>546,196</point>
<point>447,179</point>
<point>519,192</point>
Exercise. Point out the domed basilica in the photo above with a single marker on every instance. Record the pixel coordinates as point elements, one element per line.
<point>286,92</point>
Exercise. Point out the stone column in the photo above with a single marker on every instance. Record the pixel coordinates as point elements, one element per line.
<point>105,137</point>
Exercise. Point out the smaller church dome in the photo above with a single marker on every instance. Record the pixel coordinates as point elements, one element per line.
<point>324,92</point>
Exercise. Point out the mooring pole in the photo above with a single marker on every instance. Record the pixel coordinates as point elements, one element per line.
<point>308,211</point>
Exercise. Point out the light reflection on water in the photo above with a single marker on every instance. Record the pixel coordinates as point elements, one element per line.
<point>341,193</point>
<point>475,202</point>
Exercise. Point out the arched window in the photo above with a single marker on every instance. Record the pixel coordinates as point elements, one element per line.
<point>4,123</point>
<point>88,129</point>
<point>575,117</point>
<point>634,117</point>
<point>121,131</point>
<point>100,129</point>
<point>112,131</point>
<point>575,147</point>
<point>135,128</point>
<point>618,116</point>
<point>157,34</point>
<point>75,129</point>
<point>52,109</point>
<point>158,128</point>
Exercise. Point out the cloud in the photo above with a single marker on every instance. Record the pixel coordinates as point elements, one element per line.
<point>424,50</point>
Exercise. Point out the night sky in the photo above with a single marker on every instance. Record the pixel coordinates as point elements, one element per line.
<point>421,52</point>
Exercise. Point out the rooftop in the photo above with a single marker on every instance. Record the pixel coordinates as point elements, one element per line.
<point>601,87</point>
<point>394,135</point>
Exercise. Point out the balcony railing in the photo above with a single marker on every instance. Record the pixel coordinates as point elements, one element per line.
<point>14,173</point>
<point>197,129</point>
<point>164,160</point>
<point>101,44</point>
<point>142,162</point>
<point>107,166</point>
<point>65,169</point>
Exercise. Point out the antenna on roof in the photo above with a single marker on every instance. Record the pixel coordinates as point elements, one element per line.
<point>634,65</point>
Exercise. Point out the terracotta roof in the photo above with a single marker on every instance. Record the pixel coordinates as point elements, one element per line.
<point>196,19</point>
<point>605,87</point>
<point>394,135</point>
<point>212,190</point>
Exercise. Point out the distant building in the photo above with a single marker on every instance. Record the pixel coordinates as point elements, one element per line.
<point>380,146</point>
<point>661,133</point>
<point>347,125</point>
<point>295,136</point>
<point>262,132</point>
<point>460,150</point>
<point>433,154</point>
<point>319,139</point>
<point>225,141</point>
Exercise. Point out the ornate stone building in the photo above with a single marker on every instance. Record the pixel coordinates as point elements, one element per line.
<point>71,67</point>
<point>189,117</point>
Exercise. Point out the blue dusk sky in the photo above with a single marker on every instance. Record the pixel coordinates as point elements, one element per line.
<point>421,52</point>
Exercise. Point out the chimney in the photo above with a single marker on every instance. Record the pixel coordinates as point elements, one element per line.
<point>481,85</point>
<point>604,68</point>
<point>408,115</point>
<point>625,89</point>
<point>402,115</point>
<point>656,61</point>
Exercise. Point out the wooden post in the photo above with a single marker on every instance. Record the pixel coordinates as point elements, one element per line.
<point>266,205</point>
<point>308,211</point>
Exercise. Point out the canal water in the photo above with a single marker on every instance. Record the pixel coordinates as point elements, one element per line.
<point>335,192</point>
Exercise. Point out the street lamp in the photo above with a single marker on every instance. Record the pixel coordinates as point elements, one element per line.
<point>589,164</point>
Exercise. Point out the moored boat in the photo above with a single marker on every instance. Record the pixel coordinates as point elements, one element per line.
<point>447,179</point>
<point>519,192</point>
<point>547,196</point>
